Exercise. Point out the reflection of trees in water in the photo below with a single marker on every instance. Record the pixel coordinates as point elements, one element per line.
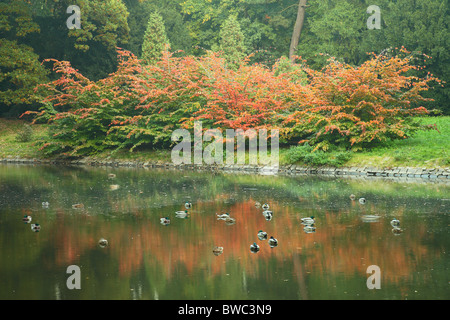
<point>141,249</point>
<point>338,247</point>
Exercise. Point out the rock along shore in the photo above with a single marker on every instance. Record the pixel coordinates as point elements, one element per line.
<point>404,172</point>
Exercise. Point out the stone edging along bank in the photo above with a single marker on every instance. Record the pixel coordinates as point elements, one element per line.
<point>405,172</point>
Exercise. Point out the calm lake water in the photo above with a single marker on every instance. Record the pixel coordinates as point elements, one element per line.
<point>145,259</point>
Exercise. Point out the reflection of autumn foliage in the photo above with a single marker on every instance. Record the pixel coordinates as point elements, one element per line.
<point>342,244</point>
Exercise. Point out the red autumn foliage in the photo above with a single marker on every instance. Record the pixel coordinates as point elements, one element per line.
<point>359,106</point>
<point>341,105</point>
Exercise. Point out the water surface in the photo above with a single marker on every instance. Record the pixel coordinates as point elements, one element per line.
<point>147,260</point>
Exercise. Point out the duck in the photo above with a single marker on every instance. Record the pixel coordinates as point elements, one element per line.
<point>308,220</point>
<point>268,215</point>
<point>222,216</point>
<point>352,197</point>
<point>78,206</point>
<point>26,219</point>
<point>45,204</point>
<point>273,242</point>
<point>309,228</point>
<point>181,214</point>
<point>257,204</point>
<point>362,200</point>
<point>396,230</point>
<point>165,221</point>
<point>395,223</point>
<point>188,205</point>
<point>265,206</point>
<point>217,250</point>
<point>262,235</point>
<point>254,247</point>
<point>229,220</point>
<point>103,243</point>
<point>111,175</point>
<point>36,227</point>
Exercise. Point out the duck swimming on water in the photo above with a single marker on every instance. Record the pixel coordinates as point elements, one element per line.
<point>308,220</point>
<point>217,250</point>
<point>103,243</point>
<point>262,235</point>
<point>165,221</point>
<point>254,247</point>
<point>222,216</point>
<point>395,223</point>
<point>181,214</point>
<point>268,215</point>
<point>273,242</point>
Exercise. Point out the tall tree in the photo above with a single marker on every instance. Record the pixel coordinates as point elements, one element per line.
<point>20,68</point>
<point>155,39</point>
<point>174,23</point>
<point>103,21</point>
<point>297,28</point>
<point>91,49</point>
<point>232,42</point>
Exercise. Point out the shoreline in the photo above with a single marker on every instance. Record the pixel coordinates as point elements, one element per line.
<point>441,174</point>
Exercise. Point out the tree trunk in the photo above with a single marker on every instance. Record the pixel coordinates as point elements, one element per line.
<point>297,28</point>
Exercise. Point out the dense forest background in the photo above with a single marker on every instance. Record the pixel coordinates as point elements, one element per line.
<point>31,31</point>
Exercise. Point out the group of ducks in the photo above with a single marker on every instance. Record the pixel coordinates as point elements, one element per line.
<point>35,227</point>
<point>226,217</point>
<point>262,235</point>
<point>395,223</point>
<point>182,214</point>
<point>266,212</point>
<point>361,200</point>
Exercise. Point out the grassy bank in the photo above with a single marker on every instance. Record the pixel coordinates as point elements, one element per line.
<point>427,149</point>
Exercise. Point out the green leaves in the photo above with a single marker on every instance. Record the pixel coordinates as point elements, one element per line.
<point>20,72</point>
<point>103,21</point>
<point>232,42</point>
<point>16,18</point>
<point>155,39</point>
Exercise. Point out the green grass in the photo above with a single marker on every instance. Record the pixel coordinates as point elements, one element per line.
<point>426,149</point>
<point>11,130</point>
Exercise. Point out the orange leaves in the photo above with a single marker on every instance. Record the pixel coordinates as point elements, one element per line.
<point>341,104</point>
<point>250,97</point>
<point>349,106</point>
